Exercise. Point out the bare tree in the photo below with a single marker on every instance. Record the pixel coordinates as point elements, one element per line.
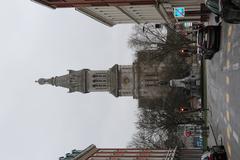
<point>147,37</point>
<point>147,139</point>
<point>159,118</point>
<point>158,121</point>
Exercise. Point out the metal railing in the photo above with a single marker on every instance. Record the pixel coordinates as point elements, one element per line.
<point>171,154</point>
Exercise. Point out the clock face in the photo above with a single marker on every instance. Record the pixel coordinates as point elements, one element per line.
<point>126,80</point>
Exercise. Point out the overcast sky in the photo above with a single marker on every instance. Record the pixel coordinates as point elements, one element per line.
<point>45,122</point>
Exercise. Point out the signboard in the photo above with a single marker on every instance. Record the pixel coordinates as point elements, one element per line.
<point>187,133</point>
<point>198,142</point>
<point>179,11</point>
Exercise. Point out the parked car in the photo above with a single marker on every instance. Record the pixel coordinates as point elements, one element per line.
<point>215,153</point>
<point>229,10</point>
<point>208,41</point>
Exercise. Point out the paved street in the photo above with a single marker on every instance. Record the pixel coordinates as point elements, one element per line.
<point>223,90</point>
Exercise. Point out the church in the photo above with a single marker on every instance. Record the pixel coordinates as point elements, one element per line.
<point>138,81</point>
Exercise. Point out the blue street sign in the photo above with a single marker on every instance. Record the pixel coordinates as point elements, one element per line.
<point>179,11</point>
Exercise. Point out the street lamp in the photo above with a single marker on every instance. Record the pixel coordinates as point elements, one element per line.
<point>182,109</point>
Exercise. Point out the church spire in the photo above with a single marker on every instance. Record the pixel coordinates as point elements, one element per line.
<point>74,81</point>
<point>43,81</point>
<point>118,80</point>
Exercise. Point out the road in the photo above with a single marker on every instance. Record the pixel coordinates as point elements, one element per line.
<point>223,90</point>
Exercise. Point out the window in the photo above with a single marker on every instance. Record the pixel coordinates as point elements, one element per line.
<point>99,85</point>
<point>99,75</point>
<point>99,80</point>
<point>151,85</point>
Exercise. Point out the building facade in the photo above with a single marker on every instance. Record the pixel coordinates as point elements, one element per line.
<point>111,12</point>
<point>120,80</point>
<point>93,153</point>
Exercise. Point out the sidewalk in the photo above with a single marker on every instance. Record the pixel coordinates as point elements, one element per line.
<point>211,138</point>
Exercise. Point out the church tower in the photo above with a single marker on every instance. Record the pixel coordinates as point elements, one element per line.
<point>118,80</point>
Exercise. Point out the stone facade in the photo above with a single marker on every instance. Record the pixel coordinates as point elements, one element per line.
<point>118,80</point>
<point>112,12</point>
<point>138,81</point>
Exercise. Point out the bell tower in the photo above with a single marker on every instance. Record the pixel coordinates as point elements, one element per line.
<point>118,80</point>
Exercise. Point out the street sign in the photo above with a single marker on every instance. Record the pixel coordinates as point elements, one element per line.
<point>179,11</point>
<point>187,133</point>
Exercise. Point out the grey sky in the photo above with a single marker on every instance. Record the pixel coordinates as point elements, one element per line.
<point>45,122</point>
